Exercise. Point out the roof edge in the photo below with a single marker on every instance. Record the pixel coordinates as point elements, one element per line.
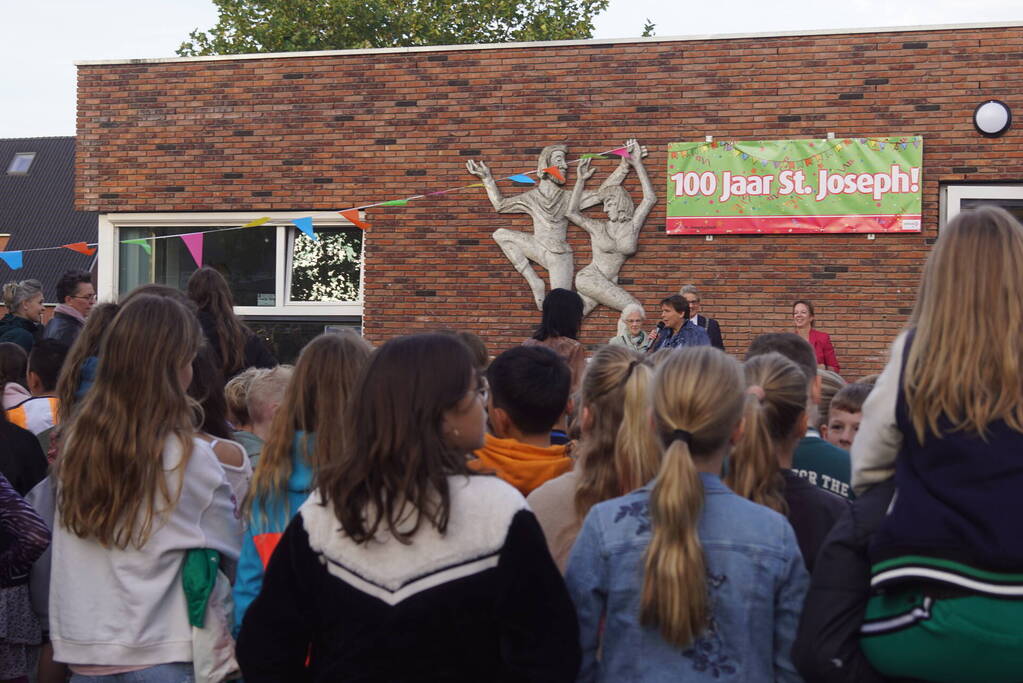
<point>555,43</point>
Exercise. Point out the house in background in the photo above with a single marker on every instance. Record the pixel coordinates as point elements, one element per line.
<point>37,183</point>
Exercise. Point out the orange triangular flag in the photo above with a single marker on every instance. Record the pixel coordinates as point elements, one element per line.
<point>353,217</point>
<point>556,172</point>
<point>81,248</point>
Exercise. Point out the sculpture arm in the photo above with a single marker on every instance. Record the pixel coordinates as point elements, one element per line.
<point>649,194</point>
<point>615,178</point>
<point>573,214</point>
<point>500,203</point>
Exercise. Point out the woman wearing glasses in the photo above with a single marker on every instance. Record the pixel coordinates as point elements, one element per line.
<point>77,297</point>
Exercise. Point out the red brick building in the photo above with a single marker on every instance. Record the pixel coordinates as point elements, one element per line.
<point>176,145</point>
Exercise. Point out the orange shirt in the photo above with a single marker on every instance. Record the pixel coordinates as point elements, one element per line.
<point>523,466</point>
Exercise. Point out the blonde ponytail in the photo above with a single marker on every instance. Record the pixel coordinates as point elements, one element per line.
<point>697,404</point>
<point>753,471</point>
<point>674,571</point>
<point>775,401</point>
<point>618,451</point>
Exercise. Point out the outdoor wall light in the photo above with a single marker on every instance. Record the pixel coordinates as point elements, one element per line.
<point>992,118</point>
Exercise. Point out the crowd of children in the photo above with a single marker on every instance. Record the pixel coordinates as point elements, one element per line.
<point>175,506</point>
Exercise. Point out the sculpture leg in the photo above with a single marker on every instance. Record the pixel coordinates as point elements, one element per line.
<point>520,250</point>
<point>560,266</point>
<point>591,284</point>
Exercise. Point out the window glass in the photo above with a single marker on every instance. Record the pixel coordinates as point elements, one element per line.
<point>285,337</point>
<point>1013,206</point>
<point>327,269</point>
<point>246,258</point>
<point>21,163</point>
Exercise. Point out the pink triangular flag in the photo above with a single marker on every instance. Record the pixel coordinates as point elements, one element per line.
<point>194,243</point>
<point>353,217</point>
<point>621,151</point>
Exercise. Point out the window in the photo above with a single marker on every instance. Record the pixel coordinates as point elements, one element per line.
<point>246,259</point>
<point>959,197</point>
<point>21,163</point>
<point>273,269</point>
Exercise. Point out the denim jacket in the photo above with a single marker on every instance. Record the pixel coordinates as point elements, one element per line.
<point>755,576</point>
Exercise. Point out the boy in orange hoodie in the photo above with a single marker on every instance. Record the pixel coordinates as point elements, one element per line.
<point>529,388</point>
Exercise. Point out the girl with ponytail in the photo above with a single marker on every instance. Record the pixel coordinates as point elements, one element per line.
<point>706,585</point>
<point>760,468</point>
<point>616,454</point>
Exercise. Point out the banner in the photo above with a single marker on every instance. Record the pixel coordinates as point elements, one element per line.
<point>795,186</point>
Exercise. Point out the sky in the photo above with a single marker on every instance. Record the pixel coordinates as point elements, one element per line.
<point>44,38</point>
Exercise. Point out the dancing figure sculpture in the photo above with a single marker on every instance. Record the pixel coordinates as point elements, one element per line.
<point>547,204</point>
<point>613,240</point>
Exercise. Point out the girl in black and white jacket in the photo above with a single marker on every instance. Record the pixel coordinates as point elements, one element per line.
<point>403,565</point>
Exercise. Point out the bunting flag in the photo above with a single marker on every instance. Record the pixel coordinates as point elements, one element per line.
<point>622,152</point>
<point>194,243</point>
<point>306,226</point>
<point>81,248</point>
<point>556,172</point>
<point>12,259</point>
<point>144,243</point>
<point>352,215</point>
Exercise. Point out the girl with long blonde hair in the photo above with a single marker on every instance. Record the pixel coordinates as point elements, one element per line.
<point>760,468</point>
<point>946,420</point>
<point>136,489</point>
<point>700,581</point>
<point>305,435</point>
<point>617,453</point>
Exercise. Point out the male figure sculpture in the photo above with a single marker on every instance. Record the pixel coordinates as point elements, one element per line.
<point>547,204</point>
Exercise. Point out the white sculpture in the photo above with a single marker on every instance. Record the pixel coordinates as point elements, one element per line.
<point>614,240</point>
<point>547,204</point>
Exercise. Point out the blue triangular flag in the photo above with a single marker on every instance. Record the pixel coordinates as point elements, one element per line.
<point>11,258</point>
<point>306,226</point>
<point>522,178</point>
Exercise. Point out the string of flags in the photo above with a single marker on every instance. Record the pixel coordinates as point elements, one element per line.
<point>194,241</point>
<point>833,147</point>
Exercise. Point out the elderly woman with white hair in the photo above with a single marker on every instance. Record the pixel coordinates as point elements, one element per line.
<point>630,329</point>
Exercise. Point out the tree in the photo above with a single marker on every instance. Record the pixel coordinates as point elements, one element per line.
<point>246,26</point>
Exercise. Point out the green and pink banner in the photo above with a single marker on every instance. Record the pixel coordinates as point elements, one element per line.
<point>795,186</point>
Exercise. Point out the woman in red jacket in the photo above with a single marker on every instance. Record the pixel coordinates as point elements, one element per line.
<point>802,315</point>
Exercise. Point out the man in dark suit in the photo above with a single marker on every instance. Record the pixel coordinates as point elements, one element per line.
<point>692,295</point>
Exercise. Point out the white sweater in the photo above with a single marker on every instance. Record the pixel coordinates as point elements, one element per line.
<point>117,607</point>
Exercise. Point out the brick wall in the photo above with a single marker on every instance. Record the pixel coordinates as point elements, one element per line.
<point>335,130</point>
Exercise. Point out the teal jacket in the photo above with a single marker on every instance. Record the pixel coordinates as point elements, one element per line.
<point>267,522</point>
<point>20,331</point>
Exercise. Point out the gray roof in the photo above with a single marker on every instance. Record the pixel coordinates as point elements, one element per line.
<point>37,210</point>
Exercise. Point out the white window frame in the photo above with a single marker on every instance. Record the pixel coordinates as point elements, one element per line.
<point>954,195</point>
<point>109,253</point>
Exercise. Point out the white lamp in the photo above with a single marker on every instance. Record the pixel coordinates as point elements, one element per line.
<point>992,118</point>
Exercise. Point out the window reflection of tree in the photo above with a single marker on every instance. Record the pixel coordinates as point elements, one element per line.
<point>327,269</point>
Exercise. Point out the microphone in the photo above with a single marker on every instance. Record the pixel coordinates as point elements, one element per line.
<point>663,332</point>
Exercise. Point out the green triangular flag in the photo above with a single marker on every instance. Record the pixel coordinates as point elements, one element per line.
<point>591,156</point>
<point>144,243</point>
<point>395,202</point>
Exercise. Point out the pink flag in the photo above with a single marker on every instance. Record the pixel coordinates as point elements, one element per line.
<point>621,151</point>
<point>194,243</point>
